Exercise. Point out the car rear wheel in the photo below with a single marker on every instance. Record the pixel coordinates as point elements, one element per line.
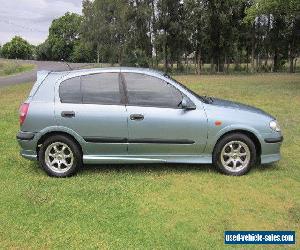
<point>234,154</point>
<point>60,156</point>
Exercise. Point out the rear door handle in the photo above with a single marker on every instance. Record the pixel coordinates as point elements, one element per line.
<point>136,117</point>
<point>68,114</point>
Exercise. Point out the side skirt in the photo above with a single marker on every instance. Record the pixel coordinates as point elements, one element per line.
<point>111,159</point>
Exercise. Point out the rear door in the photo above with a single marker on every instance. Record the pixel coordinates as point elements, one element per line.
<point>92,106</point>
<point>157,125</point>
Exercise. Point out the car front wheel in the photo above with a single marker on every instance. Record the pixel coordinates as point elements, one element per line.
<point>59,156</point>
<point>234,154</point>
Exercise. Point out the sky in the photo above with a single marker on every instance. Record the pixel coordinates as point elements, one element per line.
<point>31,19</point>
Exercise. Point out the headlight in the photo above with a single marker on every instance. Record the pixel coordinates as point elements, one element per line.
<point>275,126</point>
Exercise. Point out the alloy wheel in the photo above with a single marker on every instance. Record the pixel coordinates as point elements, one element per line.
<point>235,156</point>
<point>59,157</point>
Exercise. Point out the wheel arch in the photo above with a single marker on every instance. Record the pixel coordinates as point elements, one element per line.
<point>249,134</point>
<point>53,133</point>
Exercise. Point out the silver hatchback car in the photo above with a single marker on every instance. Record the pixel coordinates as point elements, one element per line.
<point>130,115</point>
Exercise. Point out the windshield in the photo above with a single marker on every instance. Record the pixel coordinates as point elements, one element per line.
<point>201,98</point>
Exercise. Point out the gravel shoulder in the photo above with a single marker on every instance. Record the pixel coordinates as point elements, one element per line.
<point>30,76</point>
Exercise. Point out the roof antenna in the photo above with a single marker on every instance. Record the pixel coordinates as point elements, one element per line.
<point>66,64</point>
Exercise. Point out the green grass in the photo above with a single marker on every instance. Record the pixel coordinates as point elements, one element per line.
<point>8,67</point>
<point>156,206</point>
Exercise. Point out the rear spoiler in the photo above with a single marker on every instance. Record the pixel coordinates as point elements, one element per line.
<point>40,77</point>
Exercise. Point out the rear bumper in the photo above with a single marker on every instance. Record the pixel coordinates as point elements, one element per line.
<point>29,154</point>
<point>28,144</point>
<point>25,136</point>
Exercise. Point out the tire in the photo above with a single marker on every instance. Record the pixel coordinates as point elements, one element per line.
<point>234,154</point>
<point>60,156</point>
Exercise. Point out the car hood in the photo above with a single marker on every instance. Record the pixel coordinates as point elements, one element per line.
<point>240,106</point>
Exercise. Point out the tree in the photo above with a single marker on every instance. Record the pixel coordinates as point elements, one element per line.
<point>223,19</point>
<point>43,51</point>
<point>17,48</point>
<point>141,32</point>
<point>171,36</point>
<point>63,35</point>
<point>196,27</point>
<point>105,27</point>
<point>82,52</point>
<point>282,31</point>
<point>139,18</point>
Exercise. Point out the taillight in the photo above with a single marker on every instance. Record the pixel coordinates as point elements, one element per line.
<point>23,112</point>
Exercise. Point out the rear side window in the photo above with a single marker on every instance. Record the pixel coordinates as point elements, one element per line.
<point>101,88</point>
<point>144,90</point>
<point>69,91</point>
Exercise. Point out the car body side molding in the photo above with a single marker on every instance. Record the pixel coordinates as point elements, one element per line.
<point>140,141</point>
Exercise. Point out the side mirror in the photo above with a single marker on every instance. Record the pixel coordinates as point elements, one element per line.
<point>187,104</point>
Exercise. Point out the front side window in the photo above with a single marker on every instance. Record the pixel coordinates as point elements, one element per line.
<point>144,90</point>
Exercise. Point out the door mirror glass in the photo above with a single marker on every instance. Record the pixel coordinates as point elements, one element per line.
<point>187,104</point>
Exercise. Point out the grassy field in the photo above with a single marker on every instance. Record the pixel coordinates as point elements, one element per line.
<point>9,67</point>
<point>156,206</point>
<point>232,68</point>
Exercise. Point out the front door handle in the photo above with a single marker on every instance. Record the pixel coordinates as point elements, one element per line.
<point>68,114</point>
<point>136,117</point>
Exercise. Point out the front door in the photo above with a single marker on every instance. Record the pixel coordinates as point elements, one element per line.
<point>157,125</point>
<point>91,106</point>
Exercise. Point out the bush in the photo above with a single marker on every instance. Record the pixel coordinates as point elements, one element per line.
<point>136,58</point>
<point>17,48</point>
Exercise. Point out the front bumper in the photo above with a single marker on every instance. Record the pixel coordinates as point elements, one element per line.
<point>270,148</point>
<point>28,144</point>
<point>274,140</point>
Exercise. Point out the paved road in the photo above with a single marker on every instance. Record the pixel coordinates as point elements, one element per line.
<point>30,76</point>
